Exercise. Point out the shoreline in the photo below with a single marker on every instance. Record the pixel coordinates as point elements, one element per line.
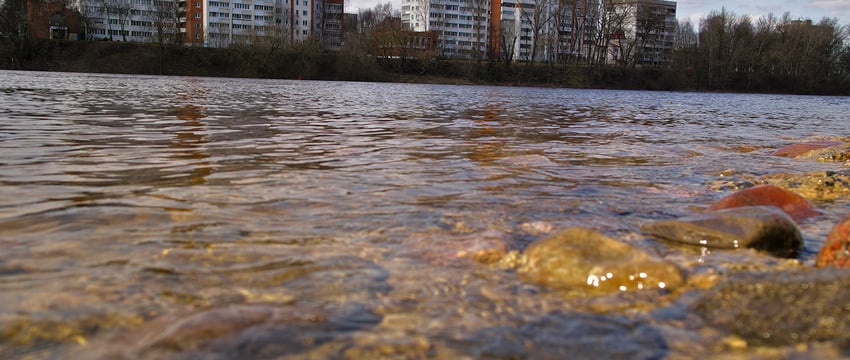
<point>313,64</point>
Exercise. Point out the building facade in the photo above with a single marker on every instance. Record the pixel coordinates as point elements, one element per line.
<point>52,20</point>
<point>463,25</point>
<point>655,27</point>
<point>215,23</point>
<point>547,30</point>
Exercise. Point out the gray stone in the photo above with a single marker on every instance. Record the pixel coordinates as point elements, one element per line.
<point>764,228</point>
<point>781,308</point>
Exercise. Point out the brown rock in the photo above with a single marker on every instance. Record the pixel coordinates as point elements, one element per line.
<point>764,228</point>
<point>836,250</point>
<point>584,260</point>
<point>795,150</point>
<point>443,248</point>
<point>791,203</point>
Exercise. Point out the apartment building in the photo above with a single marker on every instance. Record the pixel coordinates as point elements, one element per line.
<point>543,30</point>
<point>216,23</point>
<point>240,22</point>
<point>655,26</point>
<point>463,25</point>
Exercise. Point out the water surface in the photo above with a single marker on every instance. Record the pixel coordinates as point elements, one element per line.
<point>129,204</point>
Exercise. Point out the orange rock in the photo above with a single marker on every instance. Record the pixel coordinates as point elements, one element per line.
<point>836,249</point>
<point>795,150</point>
<point>791,203</point>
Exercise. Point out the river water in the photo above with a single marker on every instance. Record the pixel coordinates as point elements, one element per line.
<point>174,217</point>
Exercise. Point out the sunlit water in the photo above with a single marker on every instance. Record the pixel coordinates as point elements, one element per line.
<point>129,204</point>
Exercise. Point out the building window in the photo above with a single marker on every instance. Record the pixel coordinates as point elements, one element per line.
<point>197,15</point>
<point>197,4</point>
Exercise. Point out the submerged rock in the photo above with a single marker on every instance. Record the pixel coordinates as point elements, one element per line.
<point>839,153</point>
<point>764,228</point>
<point>560,335</point>
<point>781,308</point>
<point>577,259</point>
<point>799,149</point>
<point>791,203</point>
<point>819,186</point>
<point>242,331</point>
<point>815,186</point>
<point>442,248</point>
<point>836,250</point>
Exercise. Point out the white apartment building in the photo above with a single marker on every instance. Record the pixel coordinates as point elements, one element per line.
<point>463,25</point>
<point>655,28</point>
<point>548,30</point>
<point>131,20</point>
<point>240,22</point>
<point>216,23</point>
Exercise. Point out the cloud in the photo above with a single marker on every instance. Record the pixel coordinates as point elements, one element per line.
<point>765,9</point>
<point>833,8</point>
<point>840,5</point>
<point>351,6</point>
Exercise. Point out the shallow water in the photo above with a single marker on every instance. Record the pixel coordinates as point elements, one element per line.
<point>131,206</point>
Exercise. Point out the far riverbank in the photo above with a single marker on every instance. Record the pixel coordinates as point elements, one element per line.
<point>309,62</point>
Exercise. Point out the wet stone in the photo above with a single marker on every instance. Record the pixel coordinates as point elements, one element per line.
<point>583,260</point>
<point>791,203</point>
<point>442,248</point>
<point>836,249</point>
<point>343,278</point>
<point>820,186</point>
<point>839,153</point>
<point>774,309</point>
<point>800,149</point>
<point>814,186</point>
<point>244,331</point>
<point>561,335</point>
<point>764,228</point>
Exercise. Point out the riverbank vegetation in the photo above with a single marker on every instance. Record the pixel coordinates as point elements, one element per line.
<point>725,52</point>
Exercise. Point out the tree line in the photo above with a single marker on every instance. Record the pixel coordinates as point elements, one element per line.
<point>723,52</point>
<point>738,52</point>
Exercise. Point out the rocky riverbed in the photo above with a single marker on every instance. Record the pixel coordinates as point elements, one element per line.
<point>723,281</point>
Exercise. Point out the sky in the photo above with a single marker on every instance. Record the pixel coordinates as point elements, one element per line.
<point>697,9</point>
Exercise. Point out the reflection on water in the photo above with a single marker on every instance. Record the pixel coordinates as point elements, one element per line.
<point>144,216</point>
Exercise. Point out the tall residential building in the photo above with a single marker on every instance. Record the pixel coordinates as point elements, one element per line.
<point>240,22</point>
<point>542,30</point>
<point>133,20</point>
<point>462,25</point>
<point>655,27</point>
<point>524,28</point>
<point>215,23</point>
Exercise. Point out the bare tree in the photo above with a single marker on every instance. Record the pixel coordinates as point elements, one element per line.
<point>119,10</point>
<point>650,27</point>
<point>715,43</point>
<point>165,16</point>
<point>614,34</point>
<point>685,36</point>
<point>537,14</point>
<point>479,10</point>
<point>508,40</point>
